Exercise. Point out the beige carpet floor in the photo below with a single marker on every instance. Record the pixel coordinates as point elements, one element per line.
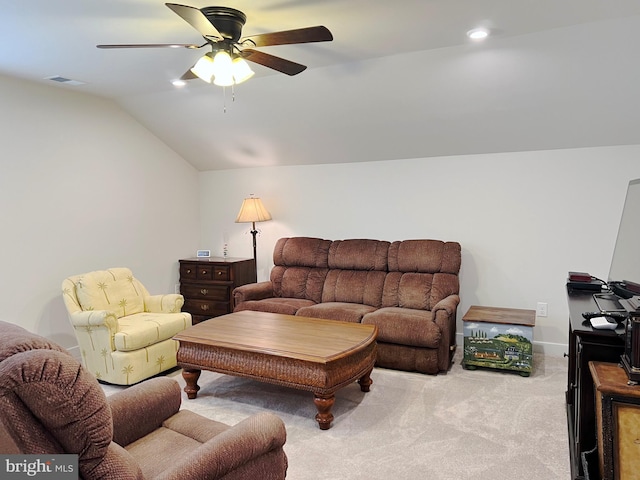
<point>464,424</point>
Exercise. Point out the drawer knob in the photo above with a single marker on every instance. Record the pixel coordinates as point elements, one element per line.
<point>188,270</point>
<point>204,307</point>
<point>219,273</point>
<point>204,291</point>
<point>204,272</point>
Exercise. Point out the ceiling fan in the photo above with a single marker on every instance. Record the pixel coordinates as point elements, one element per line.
<point>221,28</point>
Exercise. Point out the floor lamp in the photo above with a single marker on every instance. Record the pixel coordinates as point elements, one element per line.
<point>252,211</point>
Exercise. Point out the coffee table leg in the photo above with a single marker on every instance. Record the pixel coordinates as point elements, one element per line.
<point>191,377</point>
<point>365,381</point>
<point>324,416</point>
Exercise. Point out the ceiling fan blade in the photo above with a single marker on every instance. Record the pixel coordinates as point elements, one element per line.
<point>300,35</point>
<point>194,17</point>
<point>188,75</point>
<point>152,45</point>
<point>271,61</point>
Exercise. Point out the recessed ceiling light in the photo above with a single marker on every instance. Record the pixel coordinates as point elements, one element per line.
<point>179,83</point>
<point>478,33</point>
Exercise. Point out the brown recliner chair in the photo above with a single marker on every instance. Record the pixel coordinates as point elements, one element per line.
<point>50,404</point>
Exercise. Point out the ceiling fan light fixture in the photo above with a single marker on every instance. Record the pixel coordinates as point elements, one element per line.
<point>241,70</point>
<point>204,69</point>
<point>222,69</point>
<point>223,80</point>
<point>222,63</point>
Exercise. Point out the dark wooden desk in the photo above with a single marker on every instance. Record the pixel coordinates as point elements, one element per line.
<point>585,345</point>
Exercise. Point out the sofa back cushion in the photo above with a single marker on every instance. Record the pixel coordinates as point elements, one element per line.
<point>115,290</point>
<point>300,267</point>
<point>421,273</point>
<point>358,254</point>
<point>357,269</point>
<point>353,286</point>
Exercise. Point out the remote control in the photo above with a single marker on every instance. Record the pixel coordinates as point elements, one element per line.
<point>602,323</point>
<point>616,315</point>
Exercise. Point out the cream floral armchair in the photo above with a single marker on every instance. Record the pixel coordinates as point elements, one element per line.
<point>124,333</point>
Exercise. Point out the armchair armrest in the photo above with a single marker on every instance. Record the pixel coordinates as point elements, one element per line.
<point>252,291</point>
<point>141,409</point>
<point>93,318</point>
<point>170,303</point>
<point>247,440</point>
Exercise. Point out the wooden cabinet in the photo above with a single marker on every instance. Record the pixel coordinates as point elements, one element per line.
<point>207,284</point>
<point>618,422</point>
<point>585,345</point>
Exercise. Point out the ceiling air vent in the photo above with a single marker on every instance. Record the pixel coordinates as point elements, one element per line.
<point>66,81</point>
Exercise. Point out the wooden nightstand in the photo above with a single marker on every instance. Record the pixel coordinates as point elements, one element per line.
<point>207,284</point>
<point>617,422</point>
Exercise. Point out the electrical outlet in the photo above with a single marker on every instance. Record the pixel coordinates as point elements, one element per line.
<point>541,310</point>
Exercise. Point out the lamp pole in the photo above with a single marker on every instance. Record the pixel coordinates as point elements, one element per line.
<point>254,232</point>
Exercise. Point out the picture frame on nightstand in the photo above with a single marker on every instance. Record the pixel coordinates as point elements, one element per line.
<point>203,253</point>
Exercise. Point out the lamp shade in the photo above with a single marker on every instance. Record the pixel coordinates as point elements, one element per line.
<point>252,210</point>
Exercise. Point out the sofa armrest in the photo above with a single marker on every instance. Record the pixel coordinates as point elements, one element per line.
<point>252,291</point>
<point>170,303</point>
<point>93,318</point>
<point>246,441</point>
<point>444,315</point>
<point>141,409</point>
<point>448,304</point>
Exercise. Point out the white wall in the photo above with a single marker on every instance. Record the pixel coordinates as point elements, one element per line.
<point>83,186</point>
<point>523,219</point>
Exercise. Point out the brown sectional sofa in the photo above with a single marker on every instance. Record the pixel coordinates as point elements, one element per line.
<point>409,289</point>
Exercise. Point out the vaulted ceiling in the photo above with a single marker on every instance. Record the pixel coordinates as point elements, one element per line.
<point>400,79</point>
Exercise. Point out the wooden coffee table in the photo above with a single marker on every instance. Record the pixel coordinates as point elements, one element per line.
<point>310,354</point>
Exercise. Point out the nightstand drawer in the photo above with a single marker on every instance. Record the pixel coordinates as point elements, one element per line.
<point>206,292</point>
<point>221,273</point>
<point>213,272</point>
<point>188,271</point>
<point>204,272</point>
<point>203,307</point>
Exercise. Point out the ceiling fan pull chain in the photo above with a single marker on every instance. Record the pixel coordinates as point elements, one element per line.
<point>224,99</point>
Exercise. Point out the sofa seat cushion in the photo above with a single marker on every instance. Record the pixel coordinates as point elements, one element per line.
<point>144,329</point>
<point>345,312</point>
<point>286,306</point>
<point>405,326</point>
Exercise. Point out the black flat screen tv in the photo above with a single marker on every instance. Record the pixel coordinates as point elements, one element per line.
<point>624,274</point>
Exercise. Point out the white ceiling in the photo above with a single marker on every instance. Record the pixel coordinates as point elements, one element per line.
<point>400,79</point>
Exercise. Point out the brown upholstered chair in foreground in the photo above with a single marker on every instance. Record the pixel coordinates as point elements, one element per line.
<point>50,404</point>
